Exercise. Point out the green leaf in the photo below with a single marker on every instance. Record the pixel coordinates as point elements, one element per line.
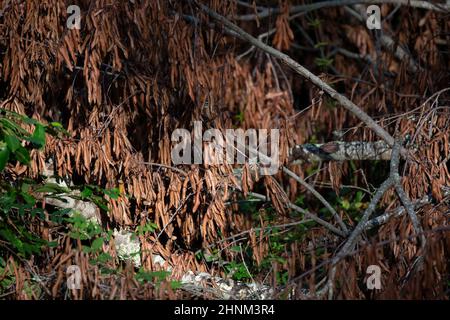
<point>159,276</point>
<point>315,23</point>
<point>345,204</point>
<point>97,244</point>
<point>240,117</point>
<point>38,211</point>
<point>38,137</point>
<point>52,244</point>
<point>23,208</point>
<point>29,199</point>
<point>113,193</point>
<point>51,188</point>
<point>13,142</point>
<point>25,187</point>
<point>22,155</point>
<point>87,192</point>
<point>107,271</point>
<point>359,196</point>
<point>104,257</point>
<point>56,128</point>
<point>100,202</point>
<point>300,200</point>
<point>323,62</point>
<point>211,257</point>
<point>14,127</point>
<point>56,124</point>
<point>148,227</point>
<point>175,284</point>
<point>321,44</point>
<point>235,248</point>
<point>4,155</point>
<point>27,120</point>
<point>58,216</point>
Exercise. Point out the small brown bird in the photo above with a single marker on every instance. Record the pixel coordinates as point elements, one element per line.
<point>324,150</point>
<point>329,147</point>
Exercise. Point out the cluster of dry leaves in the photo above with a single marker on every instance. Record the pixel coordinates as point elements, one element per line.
<point>136,71</point>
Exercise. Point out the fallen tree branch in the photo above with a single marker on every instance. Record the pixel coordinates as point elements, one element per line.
<point>392,180</point>
<point>397,212</point>
<point>410,209</point>
<point>348,246</point>
<point>327,4</point>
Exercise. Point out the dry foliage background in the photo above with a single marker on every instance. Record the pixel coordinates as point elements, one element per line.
<point>137,70</point>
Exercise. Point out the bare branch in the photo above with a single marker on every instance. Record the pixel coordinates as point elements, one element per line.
<point>327,4</point>
<point>246,232</point>
<point>348,246</point>
<point>343,100</point>
<point>410,209</point>
<point>397,212</point>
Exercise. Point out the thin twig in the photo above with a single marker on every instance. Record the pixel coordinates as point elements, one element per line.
<point>397,212</point>
<point>171,218</point>
<point>410,209</point>
<point>318,196</point>
<point>304,212</point>
<point>165,166</point>
<point>244,233</point>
